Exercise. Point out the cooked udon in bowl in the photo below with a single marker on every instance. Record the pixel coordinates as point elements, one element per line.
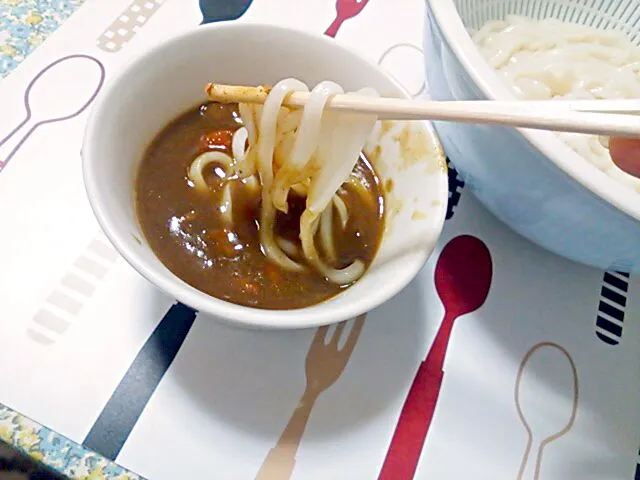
<point>562,191</point>
<point>262,215</point>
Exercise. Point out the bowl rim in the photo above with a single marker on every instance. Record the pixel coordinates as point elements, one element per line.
<point>222,310</point>
<point>624,199</point>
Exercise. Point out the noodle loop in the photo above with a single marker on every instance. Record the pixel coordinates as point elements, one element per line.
<point>310,153</point>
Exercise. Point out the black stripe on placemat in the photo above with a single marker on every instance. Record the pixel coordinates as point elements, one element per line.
<point>615,281</point>
<point>607,339</point>
<point>456,184</point>
<point>609,326</point>
<point>610,310</point>
<point>114,424</point>
<point>615,297</point>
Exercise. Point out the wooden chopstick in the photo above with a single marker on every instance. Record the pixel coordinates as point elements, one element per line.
<point>600,117</point>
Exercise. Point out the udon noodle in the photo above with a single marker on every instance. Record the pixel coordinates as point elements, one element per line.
<point>550,59</point>
<point>309,151</point>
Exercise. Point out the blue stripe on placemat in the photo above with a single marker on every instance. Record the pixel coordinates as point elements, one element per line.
<point>113,426</point>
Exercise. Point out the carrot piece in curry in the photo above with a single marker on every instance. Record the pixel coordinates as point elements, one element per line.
<point>217,140</point>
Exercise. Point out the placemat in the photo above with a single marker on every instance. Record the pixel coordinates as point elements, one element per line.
<point>541,368</point>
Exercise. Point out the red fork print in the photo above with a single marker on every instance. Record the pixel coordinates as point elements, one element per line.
<point>462,277</point>
<point>345,9</point>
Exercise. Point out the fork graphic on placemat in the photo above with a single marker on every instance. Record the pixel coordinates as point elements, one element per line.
<point>324,364</point>
<point>345,9</point>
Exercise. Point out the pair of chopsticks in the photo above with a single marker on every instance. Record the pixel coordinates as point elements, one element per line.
<point>601,117</point>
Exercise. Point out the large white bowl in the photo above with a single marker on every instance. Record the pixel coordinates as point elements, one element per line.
<point>530,179</point>
<point>162,83</point>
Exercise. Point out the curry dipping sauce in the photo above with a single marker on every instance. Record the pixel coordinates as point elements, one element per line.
<point>185,228</point>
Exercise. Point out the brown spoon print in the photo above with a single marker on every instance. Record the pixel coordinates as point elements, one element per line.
<point>324,365</point>
<point>462,278</point>
<point>547,429</point>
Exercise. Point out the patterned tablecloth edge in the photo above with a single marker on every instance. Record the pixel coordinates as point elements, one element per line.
<point>56,451</point>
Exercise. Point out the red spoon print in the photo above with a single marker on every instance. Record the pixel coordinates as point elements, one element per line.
<point>462,277</point>
<point>345,9</point>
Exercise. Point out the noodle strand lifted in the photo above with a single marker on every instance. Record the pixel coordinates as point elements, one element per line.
<point>309,152</point>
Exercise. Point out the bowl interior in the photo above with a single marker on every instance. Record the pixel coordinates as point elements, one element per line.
<point>162,83</point>
<point>458,17</point>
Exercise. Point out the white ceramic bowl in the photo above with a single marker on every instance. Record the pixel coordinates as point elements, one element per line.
<point>530,179</point>
<point>160,84</point>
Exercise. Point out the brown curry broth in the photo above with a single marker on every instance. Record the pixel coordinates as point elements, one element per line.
<point>227,262</point>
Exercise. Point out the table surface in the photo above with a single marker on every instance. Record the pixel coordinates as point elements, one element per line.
<point>555,304</point>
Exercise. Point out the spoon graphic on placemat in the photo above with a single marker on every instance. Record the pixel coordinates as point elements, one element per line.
<point>60,91</point>
<point>128,23</point>
<point>324,364</point>
<point>463,278</point>
<point>345,9</point>
<point>223,10</point>
<point>404,60</point>
<point>534,410</point>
